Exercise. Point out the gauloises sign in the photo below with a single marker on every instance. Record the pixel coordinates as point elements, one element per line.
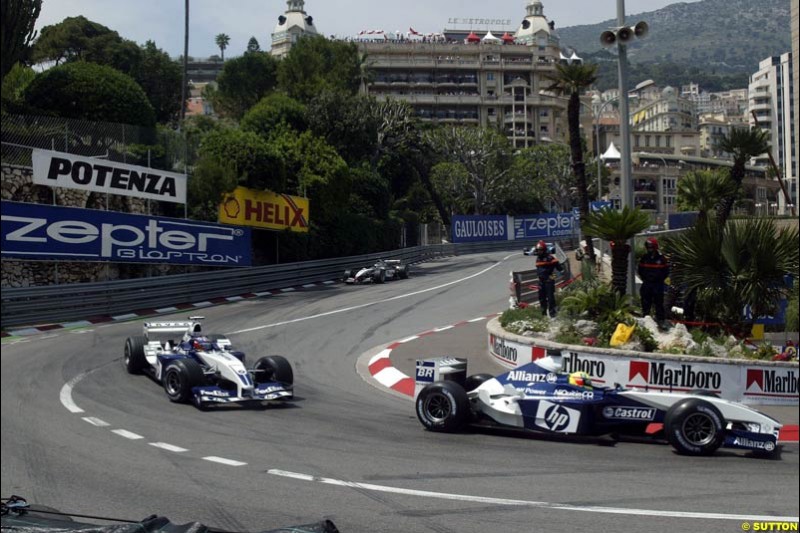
<point>264,209</point>
<point>58,169</point>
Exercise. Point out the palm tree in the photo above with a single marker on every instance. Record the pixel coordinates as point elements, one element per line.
<point>743,144</point>
<point>702,191</point>
<point>731,267</point>
<point>222,41</point>
<point>571,80</point>
<point>617,227</point>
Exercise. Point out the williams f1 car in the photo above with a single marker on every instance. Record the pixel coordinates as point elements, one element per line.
<point>381,271</point>
<point>538,397</point>
<point>205,370</point>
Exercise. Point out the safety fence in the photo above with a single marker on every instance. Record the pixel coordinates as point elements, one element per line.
<point>58,303</point>
<point>524,284</point>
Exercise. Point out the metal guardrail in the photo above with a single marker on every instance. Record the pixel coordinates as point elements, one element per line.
<point>58,303</point>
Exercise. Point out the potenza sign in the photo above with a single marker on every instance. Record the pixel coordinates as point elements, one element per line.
<point>44,232</point>
<point>57,169</point>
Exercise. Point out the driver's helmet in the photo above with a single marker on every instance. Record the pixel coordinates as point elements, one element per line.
<point>541,247</point>
<point>580,379</point>
<point>202,344</point>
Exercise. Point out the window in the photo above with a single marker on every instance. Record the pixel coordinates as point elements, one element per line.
<point>490,76</point>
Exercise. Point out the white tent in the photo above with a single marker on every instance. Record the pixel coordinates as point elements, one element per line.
<point>490,37</point>
<point>611,153</point>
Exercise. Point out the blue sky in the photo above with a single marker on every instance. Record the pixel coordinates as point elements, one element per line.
<point>162,20</point>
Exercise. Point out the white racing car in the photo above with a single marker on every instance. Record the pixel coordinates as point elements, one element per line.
<point>382,271</point>
<point>538,397</point>
<point>205,369</point>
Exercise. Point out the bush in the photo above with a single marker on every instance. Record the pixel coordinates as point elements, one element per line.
<point>525,319</point>
<point>792,315</point>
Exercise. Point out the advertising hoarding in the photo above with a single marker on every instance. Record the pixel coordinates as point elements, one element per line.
<point>265,209</point>
<point>45,232</point>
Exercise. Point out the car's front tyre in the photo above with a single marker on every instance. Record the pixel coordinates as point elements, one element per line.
<point>443,406</point>
<point>180,377</point>
<point>273,368</point>
<point>694,427</point>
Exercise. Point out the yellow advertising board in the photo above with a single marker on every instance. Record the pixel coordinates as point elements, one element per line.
<point>264,209</point>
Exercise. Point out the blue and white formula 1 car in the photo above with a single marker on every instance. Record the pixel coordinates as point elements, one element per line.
<point>540,398</point>
<point>205,369</point>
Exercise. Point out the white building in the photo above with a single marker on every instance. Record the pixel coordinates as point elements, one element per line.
<point>770,98</point>
<point>292,25</point>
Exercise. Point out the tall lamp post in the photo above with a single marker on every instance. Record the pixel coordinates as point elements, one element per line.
<point>597,143</point>
<point>621,35</point>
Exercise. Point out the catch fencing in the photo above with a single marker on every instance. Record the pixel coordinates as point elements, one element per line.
<point>59,303</point>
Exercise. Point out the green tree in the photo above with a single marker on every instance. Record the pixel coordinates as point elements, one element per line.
<point>222,41</point>
<point>485,154</point>
<point>160,78</point>
<point>743,263</point>
<point>14,85</point>
<point>92,92</point>
<point>617,227</point>
<point>253,46</point>
<point>210,180</point>
<point>17,20</point>
<point>571,80</point>
<point>80,39</point>
<point>272,111</point>
<point>742,144</point>
<point>243,82</point>
<point>347,122</point>
<point>315,64</point>
<point>545,173</point>
<point>702,190</point>
<point>257,163</point>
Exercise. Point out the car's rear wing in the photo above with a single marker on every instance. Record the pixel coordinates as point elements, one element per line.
<point>392,261</point>
<point>167,327</point>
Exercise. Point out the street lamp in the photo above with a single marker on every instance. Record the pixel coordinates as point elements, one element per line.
<point>621,35</point>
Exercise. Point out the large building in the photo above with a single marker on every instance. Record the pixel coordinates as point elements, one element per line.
<point>460,76</point>
<point>771,101</point>
<point>792,184</point>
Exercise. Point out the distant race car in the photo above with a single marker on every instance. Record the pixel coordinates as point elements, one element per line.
<point>204,369</point>
<point>539,398</point>
<point>381,271</point>
<point>531,250</point>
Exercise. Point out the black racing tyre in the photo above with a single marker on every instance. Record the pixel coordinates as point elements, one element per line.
<point>476,380</point>
<point>134,358</point>
<point>694,427</point>
<point>402,272</point>
<point>701,392</point>
<point>379,277</point>
<point>273,368</point>
<point>180,377</point>
<point>443,406</point>
<point>349,273</point>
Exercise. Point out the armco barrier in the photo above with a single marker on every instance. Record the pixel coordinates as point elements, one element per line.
<point>55,303</point>
<point>745,381</point>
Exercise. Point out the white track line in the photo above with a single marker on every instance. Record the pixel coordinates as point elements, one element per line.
<point>96,421</point>
<point>527,503</point>
<point>222,460</point>
<point>66,394</point>
<point>168,447</point>
<point>368,304</point>
<point>127,434</point>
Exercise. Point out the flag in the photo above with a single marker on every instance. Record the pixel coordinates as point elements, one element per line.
<point>412,31</point>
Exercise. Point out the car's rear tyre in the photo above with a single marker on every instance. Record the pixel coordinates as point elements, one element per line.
<point>443,406</point>
<point>476,380</point>
<point>180,377</point>
<point>694,427</point>
<point>273,368</point>
<point>402,272</point>
<point>134,358</point>
<point>349,274</point>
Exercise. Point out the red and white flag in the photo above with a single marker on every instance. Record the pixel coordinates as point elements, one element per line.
<point>412,31</point>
